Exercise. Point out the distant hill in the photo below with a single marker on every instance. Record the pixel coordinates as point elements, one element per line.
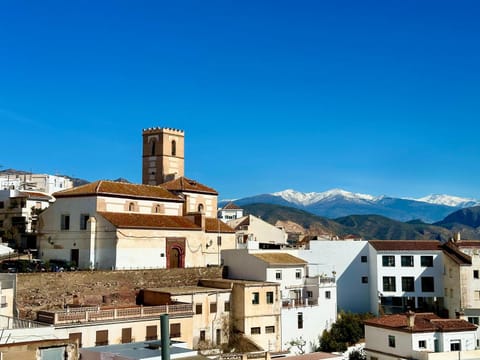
<point>365,226</point>
<point>339,203</point>
<point>464,221</point>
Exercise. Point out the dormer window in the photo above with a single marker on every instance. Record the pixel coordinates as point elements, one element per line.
<point>174,148</point>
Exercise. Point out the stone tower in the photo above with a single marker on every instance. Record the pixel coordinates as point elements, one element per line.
<point>163,155</point>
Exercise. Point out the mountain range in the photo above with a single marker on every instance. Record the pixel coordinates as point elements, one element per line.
<point>338,203</point>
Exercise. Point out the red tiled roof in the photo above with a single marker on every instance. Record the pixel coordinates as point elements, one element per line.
<point>215,225</point>
<point>184,184</point>
<point>399,245</point>
<point>114,188</point>
<point>468,243</point>
<point>150,221</point>
<point>453,252</point>
<point>36,195</point>
<point>231,206</point>
<point>423,322</point>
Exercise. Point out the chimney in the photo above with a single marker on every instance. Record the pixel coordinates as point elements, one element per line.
<point>198,218</point>
<point>410,319</point>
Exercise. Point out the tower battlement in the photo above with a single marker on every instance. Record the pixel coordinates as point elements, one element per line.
<point>156,130</point>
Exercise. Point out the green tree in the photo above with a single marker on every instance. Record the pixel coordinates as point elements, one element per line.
<point>348,330</point>
<point>357,354</point>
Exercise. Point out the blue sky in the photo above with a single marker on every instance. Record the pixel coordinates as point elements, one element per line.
<point>378,97</point>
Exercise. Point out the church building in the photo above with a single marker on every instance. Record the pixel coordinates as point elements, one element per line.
<point>168,221</point>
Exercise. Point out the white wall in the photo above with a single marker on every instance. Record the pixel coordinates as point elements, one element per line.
<point>343,257</point>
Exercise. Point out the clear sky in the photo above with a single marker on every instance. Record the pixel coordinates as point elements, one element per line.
<point>378,97</point>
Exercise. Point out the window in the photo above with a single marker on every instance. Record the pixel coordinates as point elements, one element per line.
<point>269,329</point>
<point>126,335</point>
<point>363,259</point>
<point>309,293</point>
<point>388,260</point>
<point>422,344</point>
<point>157,209</point>
<point>407,260</point>
<point>327,294</point>
<point>152,152</point>
<point>455,345</point>
<point>475,274</point>
<point>426,261</point>
<point>131,206</point>
<point>202,335</point>
<point>428,284</point>
<point>473,320</point>
<point>226,306</point>
<point>2,205</point>
<point>389,283</point>
<point>269,297</point>
<point>101,337</point>
<point>213,308</point>
<point>151,332</point>
<point>408,283</point>
<point>65,222</point>
<point>298,274</point>
<point>255,298</point>
<point>278,275</point>
<point>83,221</point>
<point>391,340</point>
<point>364,279</point>
<point>300,320</point>
<point>198,309</point>
<point>175,330</point>
<point>218,336</point>
<point>255,330</point>
<point>200,208</point>
<point>174,148</point>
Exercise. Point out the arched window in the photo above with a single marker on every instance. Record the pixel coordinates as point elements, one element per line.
<point>157,209</point>
<point>174,147</point>
<point>200,208</point>
<point>153,148</point>
<point>131,206</point>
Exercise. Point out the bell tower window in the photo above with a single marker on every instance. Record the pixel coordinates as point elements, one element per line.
<point>174,148</point>
<point>153,148</point>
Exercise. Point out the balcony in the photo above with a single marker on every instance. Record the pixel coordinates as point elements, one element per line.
<point>94,314</point>
<point>294,303</point>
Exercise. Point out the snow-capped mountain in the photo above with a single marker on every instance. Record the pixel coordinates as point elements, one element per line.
<point>455,201</point>
<point>306,199</point>
<point>337,203</point>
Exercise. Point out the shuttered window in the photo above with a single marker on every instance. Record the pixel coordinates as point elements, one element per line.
<point>151,332</point>
<point>126,335</point>
<point>101,338</point>
<point>175,330</point>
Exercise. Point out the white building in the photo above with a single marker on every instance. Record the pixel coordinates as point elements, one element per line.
<point>309,302</point>
<point>251,232</point>
<point>34,182</point>
<point>230,212</point>
<point>113,225</point>
<point>423,336</point>
<point>348,259</point>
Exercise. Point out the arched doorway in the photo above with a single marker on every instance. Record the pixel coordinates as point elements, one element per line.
<point>175,253</point>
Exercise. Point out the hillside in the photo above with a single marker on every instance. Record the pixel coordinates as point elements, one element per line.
<point>365,226</point>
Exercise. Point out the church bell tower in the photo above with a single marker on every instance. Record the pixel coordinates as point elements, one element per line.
<point>163,155</point>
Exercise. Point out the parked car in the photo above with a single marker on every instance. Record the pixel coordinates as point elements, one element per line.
<point>58,265</point>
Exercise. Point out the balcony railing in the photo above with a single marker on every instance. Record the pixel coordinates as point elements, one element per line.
<point>92,314</point>
<point>293,303</point>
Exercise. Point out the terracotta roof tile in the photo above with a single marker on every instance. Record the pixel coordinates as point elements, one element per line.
<point>231,206</point>
<point>184,184</point>
<point>216,225</point>
<point>400,245</point>
<point>36,195</point>
<point>113,188</point>
<point>424,322</point>
<point>279,259</point>
<point>453,252</point>
<point>468,243</point>
<point>152,221</point>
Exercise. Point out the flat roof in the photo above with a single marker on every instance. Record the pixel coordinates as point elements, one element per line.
<point>187,290</point>
<point>144,350</point>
